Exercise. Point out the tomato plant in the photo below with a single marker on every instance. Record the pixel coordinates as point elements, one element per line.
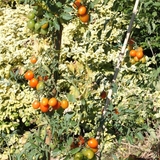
<point>79,65</point>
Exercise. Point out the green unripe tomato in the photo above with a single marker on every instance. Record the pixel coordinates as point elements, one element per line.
<point>37,26</point>
<point>78,156</point>
<point>43,31</point>
<point>31,15</point>
<point>132,61</point>
<point>31,24</point>
<point>143,59</point>
<point>88,153</point>
<point>40,86</point>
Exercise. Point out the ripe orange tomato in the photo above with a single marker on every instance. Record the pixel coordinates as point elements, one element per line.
<point>44,101</point>
<point>57,106</point>
<point>29,75</point>
<point>139,54</point>
<point>52,102</point>
<point>84,18</point>
<point>64,104</point>
<point>92,143</point>
<point>33,59</point>
<point>36,104</point>
<point>132,53</point>
<point>82,10</point>
<point>33,82</point>
<point>44,108</point>
<point>77,4</point>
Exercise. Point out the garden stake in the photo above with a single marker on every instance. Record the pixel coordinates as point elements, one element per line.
<point>109,96</point>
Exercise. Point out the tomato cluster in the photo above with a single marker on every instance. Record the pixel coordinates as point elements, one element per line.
<point>37,23</point>
<point>50,104</point>
<point>88,148</point>
<point>82,11</point>
<point>136,53</point>
<point>38,84</point>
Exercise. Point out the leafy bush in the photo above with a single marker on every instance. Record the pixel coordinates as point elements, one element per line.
<point>79,71</point>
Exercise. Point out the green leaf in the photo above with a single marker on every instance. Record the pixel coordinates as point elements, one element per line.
<point>68,9</point>
<point>129,139</point>
<point>157,4</point>
<point>66,16</point>
<point>75,150</point>
<point>59,4</point>
<point>71,98</point>
<point>56,152</point>
<point>56,24</point>
<point>140,136</point>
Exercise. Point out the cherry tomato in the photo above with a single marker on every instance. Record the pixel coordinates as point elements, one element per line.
<point>31,15</point>
<point>31,24</point>
<point>33,82</point>
<point>43,31</point>
<point>37,26</point>
<point>33,59</point>
<point>36,104</point>
<point>40,86</point>
<point>29,75</point>
<point>82,10</point>
<point>52,102</point>
<point>44,101</point>
<point>44,108</point>
<point>139,54</point>
<point>132,61</point>
<point>132,53</point>
<point>93,143</point>
<point>84,18</point>
<point>64,104</point>
<point>78,156</point>
<point>88,153</point>
<point>45,25</point>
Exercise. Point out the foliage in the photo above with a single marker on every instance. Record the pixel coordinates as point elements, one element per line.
<point>79,69</point>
